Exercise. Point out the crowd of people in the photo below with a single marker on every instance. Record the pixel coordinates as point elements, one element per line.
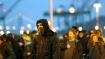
<point>45,44</point>
<point>82,44</point>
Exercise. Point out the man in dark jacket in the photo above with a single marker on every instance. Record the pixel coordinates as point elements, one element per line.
<point>45,45</point>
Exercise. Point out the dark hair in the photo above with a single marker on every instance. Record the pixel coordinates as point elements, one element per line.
<point>24,32</point>
<point>34,32</point>
<point>66,34</point>
<point>98,32</point>
<point>10,34</point>
<point>91,30</point>
<point>90,42</point>
<point>75,28</point>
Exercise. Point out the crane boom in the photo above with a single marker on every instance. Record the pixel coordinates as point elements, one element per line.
<point>11,8</point>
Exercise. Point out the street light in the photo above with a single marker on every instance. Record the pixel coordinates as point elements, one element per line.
<point>1,32</point>
<point>96,27</point>
<point>29,26</point>
<point>72,10</point>
<point>104,27</point>
<point>21,31</point>
<point>80,28</point>
<point>14,28</point>
<point>7,28</point>
<point>8,32</point>
<point>1,27</point>
<point>22,28</point>
<point>97,6</point>
<point>59,10</point>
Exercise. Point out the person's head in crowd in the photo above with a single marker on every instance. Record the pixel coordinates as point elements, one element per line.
<point>24,33</point>
<point>93,40</point>
<point>100,36</point>
<point>91,31</point>
<point>43,27</point>
<point>75,28</point>
<point>3,45</point>
<point>98,32</point>
<point>1,40</point>
<point>65,36</point>
<point>72,35</point>
<point>4,36</point>
<point>10,35</point>
<point>81,34</point>
<point>33,34</point>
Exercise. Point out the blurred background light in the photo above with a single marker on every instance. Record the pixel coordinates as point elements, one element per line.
<point>72,10</point>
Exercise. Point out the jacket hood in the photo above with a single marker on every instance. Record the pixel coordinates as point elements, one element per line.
<point>45,25</point>
<point>50,32</point>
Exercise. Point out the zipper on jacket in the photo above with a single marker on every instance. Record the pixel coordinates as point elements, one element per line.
<point>41,44</point>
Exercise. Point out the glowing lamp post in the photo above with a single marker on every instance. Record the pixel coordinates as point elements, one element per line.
<point>14,28</point>
<point>80,28</point>
<point>51,14</point>
<point>59,10</point>
<point>96,27</point>
<point>7,28</point>
<point>72,10</point>
<point>1,27</point>
<point>104,27</point>
<point>29,26</point>
<point>97,6</point>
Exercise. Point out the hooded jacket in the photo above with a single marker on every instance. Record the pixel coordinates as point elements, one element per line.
<point>46,46</point>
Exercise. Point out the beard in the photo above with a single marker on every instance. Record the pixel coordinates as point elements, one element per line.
<point>41,30</point>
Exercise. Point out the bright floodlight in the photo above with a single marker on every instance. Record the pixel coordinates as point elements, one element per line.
<point>96,27</point>
<point>27,31</point>
<point>104,27</point>
<point>13,27</point>
<point>59,10</point>
<point>80,28</point>
<point>22,27</point>
<point>97,6</point>
<point>28,25</point>
<point>8,32</point>
<point>7,27</point>
<point>21,31</point>
<point>1,27</point>
<point>72,10</point>
<point>1,32</point>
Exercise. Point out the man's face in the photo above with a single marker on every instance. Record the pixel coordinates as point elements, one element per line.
<point>40,28</point>
<point>71,35</point>
<point>95,39</point>
<point>81,35</point>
